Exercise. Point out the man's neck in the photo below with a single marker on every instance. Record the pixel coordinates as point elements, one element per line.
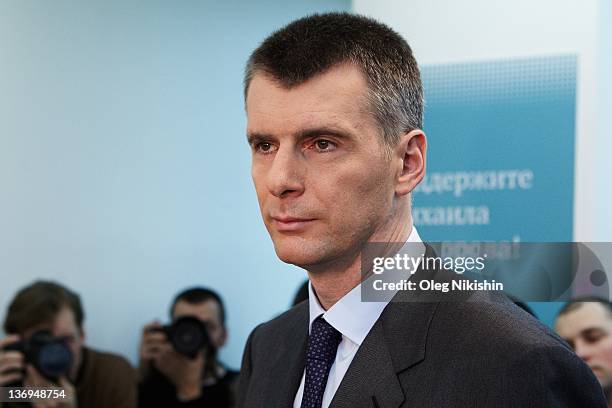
<point>331,284</point>
<point>334,280</point>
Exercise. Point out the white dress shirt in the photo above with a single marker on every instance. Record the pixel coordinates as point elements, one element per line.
<point>354,319</point>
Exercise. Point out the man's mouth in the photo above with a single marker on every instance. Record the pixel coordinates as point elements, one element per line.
<point>289,224</point>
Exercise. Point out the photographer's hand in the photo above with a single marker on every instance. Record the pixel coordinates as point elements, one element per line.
<point>185,373</point>
<point>151,343</point>
<point>35,379</point>
<point>11,362</point>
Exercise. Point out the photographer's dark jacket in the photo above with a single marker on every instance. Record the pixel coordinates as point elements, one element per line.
<point>105,380</point>
<point>156,391</point>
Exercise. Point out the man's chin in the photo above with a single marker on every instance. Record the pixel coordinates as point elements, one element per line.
<point>295,258</point>
<point>297,253</point>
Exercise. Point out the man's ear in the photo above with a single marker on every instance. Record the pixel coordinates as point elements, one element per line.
<point>411,151</point>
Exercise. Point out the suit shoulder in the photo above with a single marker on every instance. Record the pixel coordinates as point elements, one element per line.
<point>287,322</point>
<point>499,324</point>
<point>523,362</point>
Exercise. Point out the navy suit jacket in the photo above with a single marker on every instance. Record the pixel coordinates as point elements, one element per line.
<point>475,350</point>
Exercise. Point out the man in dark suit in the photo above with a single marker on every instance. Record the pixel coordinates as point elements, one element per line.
<point>334,106</point>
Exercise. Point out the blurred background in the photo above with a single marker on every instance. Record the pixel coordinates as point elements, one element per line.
<point>125,173</point>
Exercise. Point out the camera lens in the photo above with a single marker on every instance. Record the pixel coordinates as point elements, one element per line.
<point>188,336</point>
<point>54,359</point>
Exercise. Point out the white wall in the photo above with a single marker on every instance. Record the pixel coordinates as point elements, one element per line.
<point>446,31</point>
<point>124,167</point>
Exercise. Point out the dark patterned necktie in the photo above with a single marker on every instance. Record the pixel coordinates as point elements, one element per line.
<point>320,355</point>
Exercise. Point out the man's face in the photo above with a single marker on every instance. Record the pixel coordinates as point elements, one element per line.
<point>588,330</point>
<point>64,325</point>
<point>209,313</point>
<point>321,171</point>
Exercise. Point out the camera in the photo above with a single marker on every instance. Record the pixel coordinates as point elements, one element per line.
<point>188,335</point>
<point>50,355</point>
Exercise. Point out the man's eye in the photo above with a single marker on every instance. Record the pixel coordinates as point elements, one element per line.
<point>594,337</point>
<point>324,145</point>
<point>264,147</point>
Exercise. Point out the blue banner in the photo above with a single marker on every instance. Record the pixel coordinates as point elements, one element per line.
<point>501,151</point>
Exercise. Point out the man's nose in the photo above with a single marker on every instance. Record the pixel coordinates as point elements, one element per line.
<point>285,178</point>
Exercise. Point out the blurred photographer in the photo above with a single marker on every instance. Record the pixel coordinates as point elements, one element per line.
<point>586,324</point>
<point>45,347</point>
<point>178,363</point>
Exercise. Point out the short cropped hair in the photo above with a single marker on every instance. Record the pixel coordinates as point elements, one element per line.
<point>197,295</point>
<point>314,44</point>
<point>579,301</point>
<point>39,303</point>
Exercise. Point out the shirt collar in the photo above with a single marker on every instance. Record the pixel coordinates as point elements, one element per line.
<point>349,315</point>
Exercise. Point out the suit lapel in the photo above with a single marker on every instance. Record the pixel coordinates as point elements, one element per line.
<point>370,375</point>
<point>395,343</point>
<point>387,350</point>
